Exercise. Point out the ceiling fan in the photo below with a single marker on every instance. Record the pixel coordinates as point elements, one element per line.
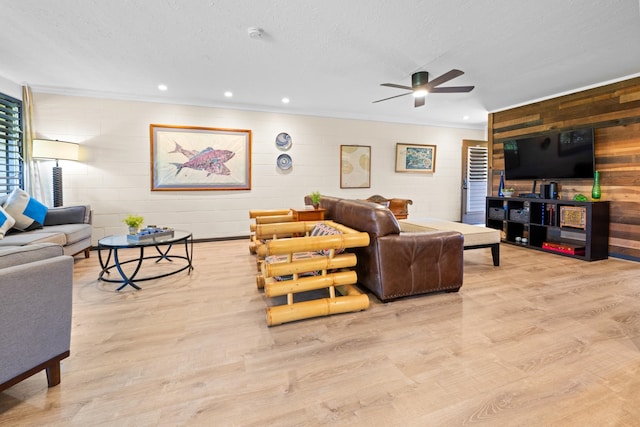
<point>420,86</point>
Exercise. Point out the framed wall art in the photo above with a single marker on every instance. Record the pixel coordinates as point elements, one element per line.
<point>355,166</point>
<point>415,158</point>
<point>199,158</point>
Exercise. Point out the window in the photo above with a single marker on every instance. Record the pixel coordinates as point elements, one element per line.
<point>11,160</point>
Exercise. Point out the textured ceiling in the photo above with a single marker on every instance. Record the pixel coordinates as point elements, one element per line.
<point>329,57</point>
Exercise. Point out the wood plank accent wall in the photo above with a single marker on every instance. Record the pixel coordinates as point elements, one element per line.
<point>614,111</point>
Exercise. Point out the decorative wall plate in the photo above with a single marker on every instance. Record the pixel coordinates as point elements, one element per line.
<point>283,141</point>
<point>284,161</point>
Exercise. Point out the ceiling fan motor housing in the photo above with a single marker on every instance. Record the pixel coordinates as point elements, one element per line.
<point>419,79</point>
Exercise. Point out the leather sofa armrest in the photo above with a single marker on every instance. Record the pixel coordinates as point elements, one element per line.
<point>80,214</point>
<point>412,263</point>
<point>437,254</point>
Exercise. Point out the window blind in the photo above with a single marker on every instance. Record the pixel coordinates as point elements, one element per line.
<point>11,160</point>
<point>477,175</point>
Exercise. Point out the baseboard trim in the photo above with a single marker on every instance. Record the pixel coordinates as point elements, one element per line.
<point>625,257</point>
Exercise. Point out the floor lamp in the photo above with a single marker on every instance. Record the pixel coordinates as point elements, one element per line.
<point>55,150</point>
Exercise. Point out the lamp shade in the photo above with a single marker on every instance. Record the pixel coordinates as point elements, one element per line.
<point>58,150</point>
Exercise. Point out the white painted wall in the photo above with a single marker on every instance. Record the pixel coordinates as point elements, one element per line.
<point>114,177</point>
<point>10,88</point>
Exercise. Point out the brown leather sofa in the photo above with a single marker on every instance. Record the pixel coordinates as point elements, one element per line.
<point>396,264</point>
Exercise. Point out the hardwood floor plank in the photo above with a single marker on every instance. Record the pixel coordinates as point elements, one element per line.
<point>541,340</point>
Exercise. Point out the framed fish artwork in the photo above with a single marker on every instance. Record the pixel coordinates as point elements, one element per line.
<point>199,158</point>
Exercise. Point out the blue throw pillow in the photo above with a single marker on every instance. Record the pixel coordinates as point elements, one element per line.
<point>6,222</point>
<point>27,211</point>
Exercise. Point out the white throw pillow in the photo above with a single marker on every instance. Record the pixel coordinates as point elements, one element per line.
<point>25,210</point>
<point>6,222</point>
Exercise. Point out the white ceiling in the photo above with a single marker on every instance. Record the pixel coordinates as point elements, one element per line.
<point>329,57</point>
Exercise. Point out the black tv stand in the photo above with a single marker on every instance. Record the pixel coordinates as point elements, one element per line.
<point>529,195</point>
<point>566,227</point>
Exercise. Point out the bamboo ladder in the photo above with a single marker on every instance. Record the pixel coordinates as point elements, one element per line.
<point>334,270</point>
<point>266,231</point>
<point>265,216</point>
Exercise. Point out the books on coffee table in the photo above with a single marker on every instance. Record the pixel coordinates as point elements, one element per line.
<point>149,234</point>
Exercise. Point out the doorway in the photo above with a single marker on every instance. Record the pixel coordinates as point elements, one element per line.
<point>475,176</point>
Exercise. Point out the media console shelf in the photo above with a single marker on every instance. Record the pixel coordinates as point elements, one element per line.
<point>566,227</point>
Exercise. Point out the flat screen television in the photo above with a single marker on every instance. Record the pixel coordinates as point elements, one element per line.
<point>557,155</point>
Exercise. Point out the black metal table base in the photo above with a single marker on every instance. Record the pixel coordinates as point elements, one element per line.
<point>132,278</point>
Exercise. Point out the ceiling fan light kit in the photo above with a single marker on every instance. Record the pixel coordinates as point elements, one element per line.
<point>421,86</point>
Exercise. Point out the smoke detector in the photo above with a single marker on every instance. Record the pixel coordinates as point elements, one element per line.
<point>255,33</point>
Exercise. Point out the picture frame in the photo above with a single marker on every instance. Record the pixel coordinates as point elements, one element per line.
<point>415,158</point>
<point>194,158</point>
<point>355,166</point>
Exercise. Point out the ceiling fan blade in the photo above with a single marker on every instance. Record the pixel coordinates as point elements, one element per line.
<point>391,97</point>
<point>397,86</point>
<point>452,89</point>
<point>449,75</point>
<point>420,83</point>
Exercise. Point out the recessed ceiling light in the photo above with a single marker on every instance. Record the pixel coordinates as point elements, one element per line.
<point>162,87</point>
<point>285,100</point>
<point>465,117</point>
<point>228,94</point>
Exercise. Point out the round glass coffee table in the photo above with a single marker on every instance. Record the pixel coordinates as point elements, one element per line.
<point>162,245</point>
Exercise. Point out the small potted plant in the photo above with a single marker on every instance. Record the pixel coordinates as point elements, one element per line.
<point>315,199</point>
<point>508,192</point>
<point>133,222</point>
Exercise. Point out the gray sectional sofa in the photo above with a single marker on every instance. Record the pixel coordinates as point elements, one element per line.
<point>35,311</point>
<point>67,226</point>
<point>36,282</point>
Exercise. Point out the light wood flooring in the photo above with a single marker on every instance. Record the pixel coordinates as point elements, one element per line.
<point>543,340</point>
